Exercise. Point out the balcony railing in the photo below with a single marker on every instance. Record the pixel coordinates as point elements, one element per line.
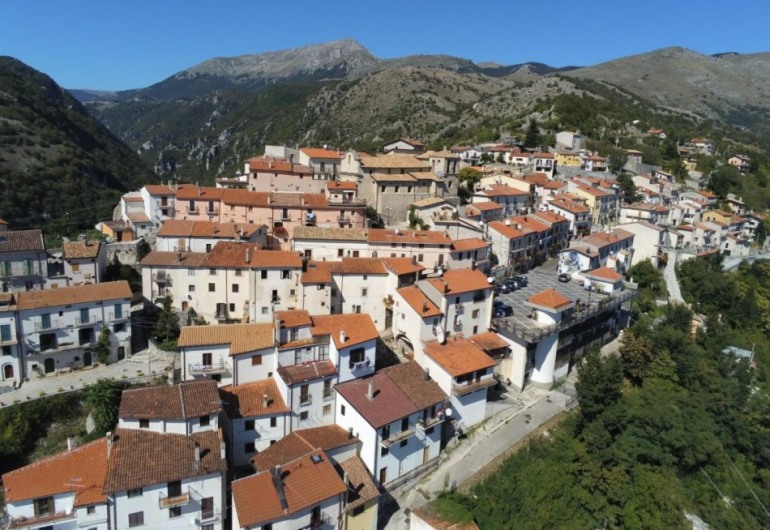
<point>192,209</point>
<point>40,520</point>
<point>120,316</point>
<point>161,277</point>
<point>305,401</point>
<point>46,326</point>
<point>86,321</point>
<point>318,524</point>
<point>395,438</point>
<point>343,220</point>
<point>361,365</point>
<point>459,309</point>
<point>205,518</point>
<point>164,501</point>
<point>460,389</point>
<point>212,210</point>
<point>215,368</point>
<point>286,217</point>
<point>355,202</point>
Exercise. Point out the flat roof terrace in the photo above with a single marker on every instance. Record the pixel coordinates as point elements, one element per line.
<point>588,304</point>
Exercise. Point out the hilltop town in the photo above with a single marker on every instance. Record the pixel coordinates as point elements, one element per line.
<point>335,319</point>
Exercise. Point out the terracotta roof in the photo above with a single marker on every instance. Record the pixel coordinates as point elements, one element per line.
<point>186,400</point>
<point>302,442</point>
<point>358,328</point>
<point>276,165</point>
<point>362,488</point>
<point>399,391</point>
<point>299,373</point>
<point>328,234</point>
<point>361,266</point>
<point>544,155</point>
<point>706,194</point>
<point>294,318</point>
<point>305,482</point>
<point>132,198</point>
<point>317,152</point>
<point>602,239</point>
<point>550,217</point>
<point>436,521</point>
<point>458,356</point>
<point>245,401</point>
<point>591,190</point>
<point>234,255</point>
<point>473,243</point>
<point>191,192</point>
<point>568,205</point>
<point>430,201</point>
<point>444,153</point>
<point>392,177</point>
<point>80,294</point>
<point>240,197</point>
<point>419,302</point>
<point>489,341</point>
<point>242,338</point>
<point>209,229</point>
<point>460,281</point>
<point>501,190</point>
<point>141,458</point>
<point>428,237</point>
<point>338,185</point>
<point>81,249</point>
<point>392,161</point>
<point>81,471</point>
<point>605,273</point>
<point>4,222</point>
<point>158,258</point>
<point>21,241</point>
<point>319,272</point>
<point>400,266</point>
<point>508,231</point>
<point>549,298</point>
<point>138,217</point>
<point>486,206</point>
<point>160,189</point>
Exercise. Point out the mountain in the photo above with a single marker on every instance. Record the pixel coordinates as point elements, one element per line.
<point>730,87</point>
<point>56,161</point>
<point>202,122</point>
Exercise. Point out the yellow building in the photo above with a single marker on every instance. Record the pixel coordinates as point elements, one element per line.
<point>568,158</point>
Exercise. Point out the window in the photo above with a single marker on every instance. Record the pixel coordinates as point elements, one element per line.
<point>144,424</point>
<point>45,321</point>
<point>205,421</point>
<point>212,288</point>
<point>403,443</point>
<point>327,410</point>
<point>356,308</point>
<point>90,510</point>
<point>256,360</point>
<point>404,424</point>
<point>304,394</point>
<point>285,275</point>
<point>190,288</point>
<point>176,511</point>
<point>429,431</point>
<point>208,248</point>
<point>315,515</point>
<point>384,451</point>
<point>364,291</point>
<point>5,350</point>
<point>327,388</point>
<point>190,272</point>
<point>304,415</point>
<point>323,353</point>
<point>212,272</point>
<point>420,257</point>
<point>273,422</point>
<point>118,310</point>
<point>43,506</point>
<point>232,308</point>
<point>342,410</point>
<point>263,275</point>
<point>356,356</point>
<point>385,432</point>
<point>248,425</point>
<point>475,313</point>
<point>264,310</point>
<point>238,272</point>
<point>249,448</point>
<point>136,492</point>
<point>5,332</point>
<point>119,328</point>
<point>83,316</point>
<point>135,519</point>
<point>235,287</point>
<point>340,253</point>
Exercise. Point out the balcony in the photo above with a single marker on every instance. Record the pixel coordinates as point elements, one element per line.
<point>347,200</point>
<point>459,309</point>
<point>398,437</point>
<point>424,425</point>
<point>460,389</point>
<point>206,518</point>
<point>164,501</point>
<point>90,321</point>
<point>305,401</point>
<point>212,210</point>
<point>193,209</point>
<point>360,366</point>
<point>320,523</point>
<point>52,325</point>
<point>343,220</point>
<point>40,520</point>
<point>112,316</point>
<point>215,368</point>
<point>286,217</point>
<point>161,277</point>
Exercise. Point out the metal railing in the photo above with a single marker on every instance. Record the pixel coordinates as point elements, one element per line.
<point>215,368</point>
<point>460,389</point>
<point>86,322</point>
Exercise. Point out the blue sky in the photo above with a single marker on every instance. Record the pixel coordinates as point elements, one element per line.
<point>114,45</point>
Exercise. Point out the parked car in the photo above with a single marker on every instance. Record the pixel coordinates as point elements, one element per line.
<point>521,279</point>
<point>513,284</point>
<point>564,277</point>
<point>501,288</point>
<point>501,309</point>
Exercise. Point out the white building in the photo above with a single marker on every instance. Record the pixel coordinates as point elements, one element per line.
<point>179,235</point>
<point>85,261</point>
<point>397,414</point>
<point>23,260</point>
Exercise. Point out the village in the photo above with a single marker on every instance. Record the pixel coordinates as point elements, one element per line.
<point>343,316</point>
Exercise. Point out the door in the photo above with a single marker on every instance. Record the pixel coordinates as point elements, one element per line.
<point>207,508</point>
<point>121,353</point>
<point>383,475</point>
<point>49,365</point>
<point>87,359</point>
<point>8,371</point>
<point>388,318</point>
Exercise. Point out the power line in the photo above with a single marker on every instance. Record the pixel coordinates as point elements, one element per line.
<point>744,480</point>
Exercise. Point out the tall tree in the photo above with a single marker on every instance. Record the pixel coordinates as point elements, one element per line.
<point>103,397</point>
<point>532,138</point>
<point>599,382</point>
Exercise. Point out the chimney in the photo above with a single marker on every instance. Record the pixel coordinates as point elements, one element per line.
<point>424,306</point>
<point>71,443</point>
<point>278,484</point>
<point>446,288</point>
<point>427,374</point>
<point>265,401</point>
<point>109,443</point>
<point>222,453</point>
<point>343,336</point>
<point>350,433</point>
<point>370,391</point>
<point>197,450</point>
<point>248,255</point>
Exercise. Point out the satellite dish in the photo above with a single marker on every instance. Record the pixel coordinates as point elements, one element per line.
<point>491,280</point>
<point>448,412</point>
<point>440,335</point>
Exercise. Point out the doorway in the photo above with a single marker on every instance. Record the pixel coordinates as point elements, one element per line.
<point>8,371</point>
<point>49,365</point>
<point>87,359</point>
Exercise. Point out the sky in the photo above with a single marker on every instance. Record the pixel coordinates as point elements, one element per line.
<point>117,45</point>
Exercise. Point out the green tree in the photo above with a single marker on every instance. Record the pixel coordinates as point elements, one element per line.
<point>468,177</point>
<point>167,327</point>
<point>724,180</point>
<point>103,398</point>
<point>415,221</point>
<point>636,355</point>
<point>102,346</point>
<point>532,138</point>
<point>599,383</point>
<point>628,188</point>
<point>647,276</point>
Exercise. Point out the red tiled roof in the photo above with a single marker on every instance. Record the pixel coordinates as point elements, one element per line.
<point>302,442</point>
<point>549,298</point>
<point>159,189</point>
<point>299,373</point>
<point>81,471</point>
<point>400,266</point>
<point>242,338</point>
<point>80,294</point>
<point>305,482</point>
<point>21,241</point>
<point>81,249</point>
<point>158,258</point>
<point>489,341</point>
<point>186,400</point>
<point>208,229</point>
<point>191,192</point>
<point>458,356</point>
<point>358,328</point>
<point>417,300</point>
<point>605,273</point>
<point>276,165</point>
<point>473,243</point>
<point>337,185</point>
<point>457,281</point>
<point>361,266</point>
<point>319,272</point>
<point>234,255</point>
<point>317,152</point>
<point>294,318</point>
<point>247,400</point>
<point>486,206</point>
<point>428,237</point>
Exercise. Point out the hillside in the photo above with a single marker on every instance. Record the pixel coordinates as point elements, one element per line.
<point>56,161</point>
